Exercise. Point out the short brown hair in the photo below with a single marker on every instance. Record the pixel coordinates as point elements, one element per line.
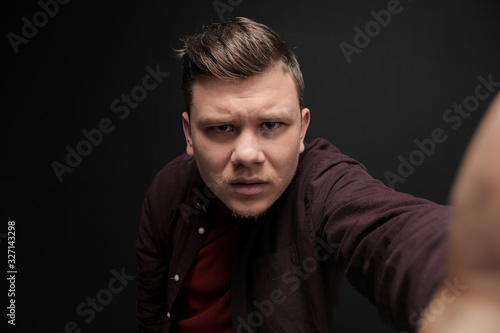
<point>233,50</point>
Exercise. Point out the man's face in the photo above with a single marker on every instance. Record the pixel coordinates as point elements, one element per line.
<point>246,137</point>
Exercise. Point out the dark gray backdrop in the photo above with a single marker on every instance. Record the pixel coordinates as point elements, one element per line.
<point>76,232</point>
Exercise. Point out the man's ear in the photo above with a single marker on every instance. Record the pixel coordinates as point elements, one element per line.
<point>187,133</point>
<point>305,119</point>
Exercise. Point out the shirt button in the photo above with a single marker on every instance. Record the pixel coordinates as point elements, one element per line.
<point>176,277</point>
<point>168,315</point>
<point>201,230</point>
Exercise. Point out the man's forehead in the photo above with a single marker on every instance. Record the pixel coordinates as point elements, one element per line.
<point>228,111</point>
<point>273,89</point>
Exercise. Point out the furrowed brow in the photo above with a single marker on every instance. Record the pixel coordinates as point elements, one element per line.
<point>278,115</point>
<point>206,121</point>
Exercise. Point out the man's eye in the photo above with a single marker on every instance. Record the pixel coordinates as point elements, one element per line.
<point>271,125</point>
<point>223,128</point>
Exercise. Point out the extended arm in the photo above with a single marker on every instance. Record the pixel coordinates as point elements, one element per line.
<point>474,256</point>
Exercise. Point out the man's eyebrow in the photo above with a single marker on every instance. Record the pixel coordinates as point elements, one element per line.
<point>210,121</point>
<point>205,121</point>
<point>276,115</point>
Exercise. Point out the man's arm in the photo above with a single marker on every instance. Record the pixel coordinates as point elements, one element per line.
<point>474,256</point>
<point>391,245</point>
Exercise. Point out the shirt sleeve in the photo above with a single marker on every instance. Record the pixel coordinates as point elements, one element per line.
<point>153,268</point>
<point>390,245</point>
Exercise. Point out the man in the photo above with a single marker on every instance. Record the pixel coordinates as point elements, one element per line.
<point>252,229</point>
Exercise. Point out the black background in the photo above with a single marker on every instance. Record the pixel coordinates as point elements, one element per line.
<point>70,235</point>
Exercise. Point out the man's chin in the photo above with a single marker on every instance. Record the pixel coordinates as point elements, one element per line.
<point>248,215</point>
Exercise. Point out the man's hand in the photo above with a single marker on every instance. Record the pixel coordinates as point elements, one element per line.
<point>474,257</point>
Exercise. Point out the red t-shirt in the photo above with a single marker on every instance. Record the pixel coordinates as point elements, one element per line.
<point>207,287</point>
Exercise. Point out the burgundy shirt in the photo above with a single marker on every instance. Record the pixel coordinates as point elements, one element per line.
<point>206,290</point>
<point>333,220</point>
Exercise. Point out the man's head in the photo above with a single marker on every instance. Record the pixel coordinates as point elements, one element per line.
<point>245,125</point>
<point>233,50</point>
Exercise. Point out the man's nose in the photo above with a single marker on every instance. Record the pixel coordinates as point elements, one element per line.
<point>247,150</point>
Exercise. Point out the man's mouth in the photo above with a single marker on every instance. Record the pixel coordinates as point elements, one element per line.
<point>248,186</point>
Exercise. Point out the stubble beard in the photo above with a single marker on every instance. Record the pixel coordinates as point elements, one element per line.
<point>224,181</point>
